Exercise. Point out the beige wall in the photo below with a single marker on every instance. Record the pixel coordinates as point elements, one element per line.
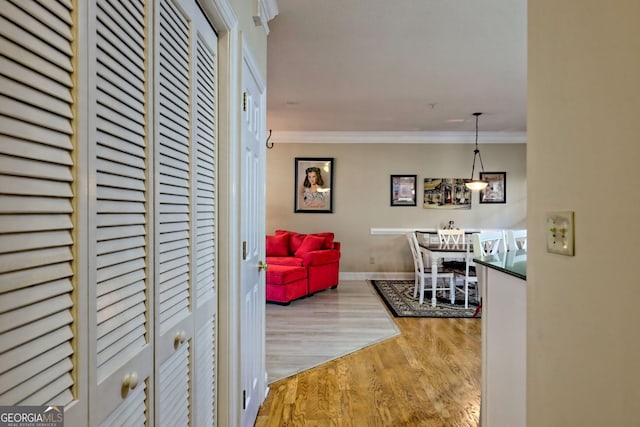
<point>583,155</point>
<point>361,195</point>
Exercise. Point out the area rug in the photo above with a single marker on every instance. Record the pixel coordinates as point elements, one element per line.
<point>398,296</point>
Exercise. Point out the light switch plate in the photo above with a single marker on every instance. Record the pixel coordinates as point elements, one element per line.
<point>560,233</point>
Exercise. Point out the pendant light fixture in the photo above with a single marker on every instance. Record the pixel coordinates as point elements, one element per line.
<point>476,184</point>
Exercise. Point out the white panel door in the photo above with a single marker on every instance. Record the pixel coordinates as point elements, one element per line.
<point>252,317</point>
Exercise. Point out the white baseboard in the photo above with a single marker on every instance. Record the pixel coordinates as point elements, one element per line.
<point>373,275</point>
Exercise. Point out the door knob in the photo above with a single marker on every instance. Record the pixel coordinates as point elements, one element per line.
<point>262,266</point>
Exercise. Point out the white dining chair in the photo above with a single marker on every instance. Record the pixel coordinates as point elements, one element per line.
<point>517,240</point>
<point>421,274</point>
<point>465,268</point>
<point>451,237</point>
<point>484,244</point>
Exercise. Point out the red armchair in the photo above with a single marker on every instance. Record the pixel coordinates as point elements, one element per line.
<point>318,253</point>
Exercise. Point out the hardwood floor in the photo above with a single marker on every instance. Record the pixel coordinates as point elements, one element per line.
<point>429,375</point>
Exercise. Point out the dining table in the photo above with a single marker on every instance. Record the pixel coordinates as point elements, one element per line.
<point>436,251</point>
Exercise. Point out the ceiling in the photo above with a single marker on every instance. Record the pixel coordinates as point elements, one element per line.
<point>397,67</point>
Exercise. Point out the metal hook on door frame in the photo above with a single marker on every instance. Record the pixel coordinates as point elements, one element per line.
<point>270,146</point>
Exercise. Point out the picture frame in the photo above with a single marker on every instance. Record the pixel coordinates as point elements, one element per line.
<point>446,193</point>
<point>313,185</point>
<point>403,190</point>
<point>496,191</point>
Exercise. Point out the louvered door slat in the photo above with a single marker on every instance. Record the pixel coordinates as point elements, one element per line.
<point>116,19</point>
<point>120,295</point>
<point>108,233</point>
<point>31,295</point>
<point>56,49</point>
<point>33,223</point>
<point>37,142</point>
<point>124,316</point>
<point>36,328</point>
<point>172,169</point>
<point>31,78</point>
<point>18,204</point>
<point>24,390</point>
<point>26,351</point>
<point>19,53</point>
<point>35,169</point>
<point>112,220</point>
<point>32,313</point>
<point>118,111</point>
<point>23,260</point>
<point>48,392</point>
<point>33,366</point>
<point>25,241</point>
<point>120,258</point>
<point>205,364</point>
<point>120,281</point>
<point>126,138</point>
<point>56,18</point>
<point>36,98</point>
<point>34,276</point>
<point>38,187</point>
<point>119,244</point>
<point>130,184</point>
<point>56,33</point>
<point>132,411</point>
<point>118,349</point>
<point>174,388</point>
<point>112,171</point>
<point>117,334</point>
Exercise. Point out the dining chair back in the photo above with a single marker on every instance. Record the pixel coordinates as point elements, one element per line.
<point>451,237</point>
<point>488,243</point>
<point>517,240</point>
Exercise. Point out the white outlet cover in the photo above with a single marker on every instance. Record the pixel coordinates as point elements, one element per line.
<point>560,233</point>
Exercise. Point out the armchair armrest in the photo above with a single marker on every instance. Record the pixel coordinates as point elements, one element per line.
<point>321,257</point>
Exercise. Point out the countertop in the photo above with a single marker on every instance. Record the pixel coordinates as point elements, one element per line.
<point>511,262</point>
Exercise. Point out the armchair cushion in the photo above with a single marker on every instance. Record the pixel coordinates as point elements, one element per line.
<point>277,245</point>
<point>309,243</point>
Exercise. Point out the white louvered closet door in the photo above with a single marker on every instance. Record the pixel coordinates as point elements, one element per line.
<point>121,308</point>
<point>36,203</point>
<point>186,132</point>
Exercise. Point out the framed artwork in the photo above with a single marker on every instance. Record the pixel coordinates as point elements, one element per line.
<point>496,191</point>
<point>313,185</point>
<point>403,190</point>
<point>446,193</point>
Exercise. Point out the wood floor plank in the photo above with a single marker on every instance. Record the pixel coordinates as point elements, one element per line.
<point>428,375</point>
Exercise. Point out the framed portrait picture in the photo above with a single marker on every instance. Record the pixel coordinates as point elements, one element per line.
<point>313,192</point>
<point>496,191</point>
<point>403,190</point>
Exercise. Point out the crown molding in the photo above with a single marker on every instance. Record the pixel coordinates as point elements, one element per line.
<point>335,137</point>
<point>266,10</point>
